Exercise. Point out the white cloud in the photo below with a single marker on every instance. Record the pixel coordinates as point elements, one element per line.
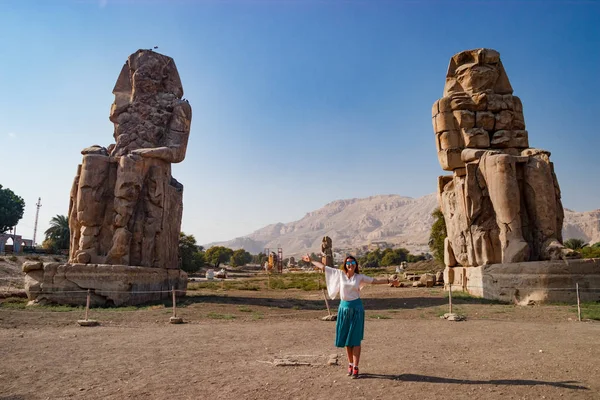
<point>12,135</point>
<point>103,3</point>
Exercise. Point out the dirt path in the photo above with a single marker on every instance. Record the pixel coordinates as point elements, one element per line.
<point>227,348</point>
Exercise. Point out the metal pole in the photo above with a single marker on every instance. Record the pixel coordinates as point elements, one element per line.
<point>326,302</point>
<point>174,306</point>
<point>87,304</point>
<point>450,296</point>
<point>578,303</point>
<point>37,213</point>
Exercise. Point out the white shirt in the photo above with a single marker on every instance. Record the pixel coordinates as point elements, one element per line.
<point>349,288</point>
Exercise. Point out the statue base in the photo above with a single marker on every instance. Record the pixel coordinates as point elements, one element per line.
<point>109,285</point>
<point>529,282</point>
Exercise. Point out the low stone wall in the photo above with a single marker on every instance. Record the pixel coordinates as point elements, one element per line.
<point>109,284</point>
<point>529,282</point>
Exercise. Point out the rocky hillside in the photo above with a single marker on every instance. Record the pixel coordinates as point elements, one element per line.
<point>396,220</point>
<point>582,225</point>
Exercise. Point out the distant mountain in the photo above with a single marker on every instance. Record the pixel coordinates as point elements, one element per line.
<point>392,219</point>
<point>582,225</point>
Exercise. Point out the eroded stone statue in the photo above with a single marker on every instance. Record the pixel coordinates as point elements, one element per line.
<point>327,251</point>
<point>125,206</point>
<point>502,203</point>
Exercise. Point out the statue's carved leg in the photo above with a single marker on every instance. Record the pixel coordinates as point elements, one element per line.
<point>500,175</point>
<point>90,208</point>
<point>74,227</point>
<point>127,193</point>
<point>543,205</point>
<point>154,199</point>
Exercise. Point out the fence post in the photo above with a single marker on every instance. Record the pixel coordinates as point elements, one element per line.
<point>450,296</point>
<point>86,321</point>
<point>87,305</point>
<point>174,302</point>
<point>578,302</point>
<point>175,319</point>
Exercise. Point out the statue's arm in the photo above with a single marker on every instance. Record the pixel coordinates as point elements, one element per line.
<point>177,136</point>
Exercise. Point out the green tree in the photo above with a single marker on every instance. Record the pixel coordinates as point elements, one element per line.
<point>240,258</point>
<point>217,255</point>
<point>575,244</point>
<point>412,258</point>
<point>394,256</point>
<point>371,259</point>
<point>11,209</point>
<point>437,235</point>
<point>58,234</point>
<point>259,258</point>
<point>191,255</point>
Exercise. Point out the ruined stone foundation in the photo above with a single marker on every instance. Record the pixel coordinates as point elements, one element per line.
<point>529,282</point>
<point>109,284</point>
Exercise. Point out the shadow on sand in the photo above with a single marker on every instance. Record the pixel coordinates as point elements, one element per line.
<point>507,382</point>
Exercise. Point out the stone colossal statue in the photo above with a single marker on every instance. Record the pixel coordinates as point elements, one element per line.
<point>502,202</point>
<point>125,206</point>
<point>327,251</point>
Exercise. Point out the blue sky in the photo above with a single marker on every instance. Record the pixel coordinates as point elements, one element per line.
<point>295,103</point>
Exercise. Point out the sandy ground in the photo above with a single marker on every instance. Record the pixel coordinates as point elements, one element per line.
<point>231,339</point>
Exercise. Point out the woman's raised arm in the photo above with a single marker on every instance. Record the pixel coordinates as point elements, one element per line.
<point>306,258</point>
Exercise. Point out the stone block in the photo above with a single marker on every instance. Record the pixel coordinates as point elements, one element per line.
<point>535,282</point>
<point>504,120</point>
<point>480,101</point>
<point>109,284</point>
<point>450,140</point>
<point>465,119</point>
<point>495,103</point>
<point>444,104</point>
<point>444,121</point>
<point>518,122</point>
<point>485,120</point>
<point>469,155</point>
<point>449,259</point>
<point>476,138</point>
<point>509,101</point>
<point>435,109</point>
<point>508,138</point>
<point>450,159</point>
<point>517,105</point>
<point>460,171</point>
<point>521,138</point>
<point>428,280</point>
<point>462,102</point>
<point>32,266</point>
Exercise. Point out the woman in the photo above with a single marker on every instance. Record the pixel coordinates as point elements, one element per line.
<point>351,314</point>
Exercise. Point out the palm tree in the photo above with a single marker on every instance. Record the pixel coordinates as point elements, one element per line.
<point>58,232</point>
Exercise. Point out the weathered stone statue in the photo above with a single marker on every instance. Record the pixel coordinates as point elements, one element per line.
<point>327,251</point>
<point>125,209</point>
<point>502,203</point>
<point>125,206</point>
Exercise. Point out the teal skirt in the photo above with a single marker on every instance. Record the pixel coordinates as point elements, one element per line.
<point>350,326</point>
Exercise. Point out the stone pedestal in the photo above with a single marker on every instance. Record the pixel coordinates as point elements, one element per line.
<point>529,282</point>
<point>109,284</point>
